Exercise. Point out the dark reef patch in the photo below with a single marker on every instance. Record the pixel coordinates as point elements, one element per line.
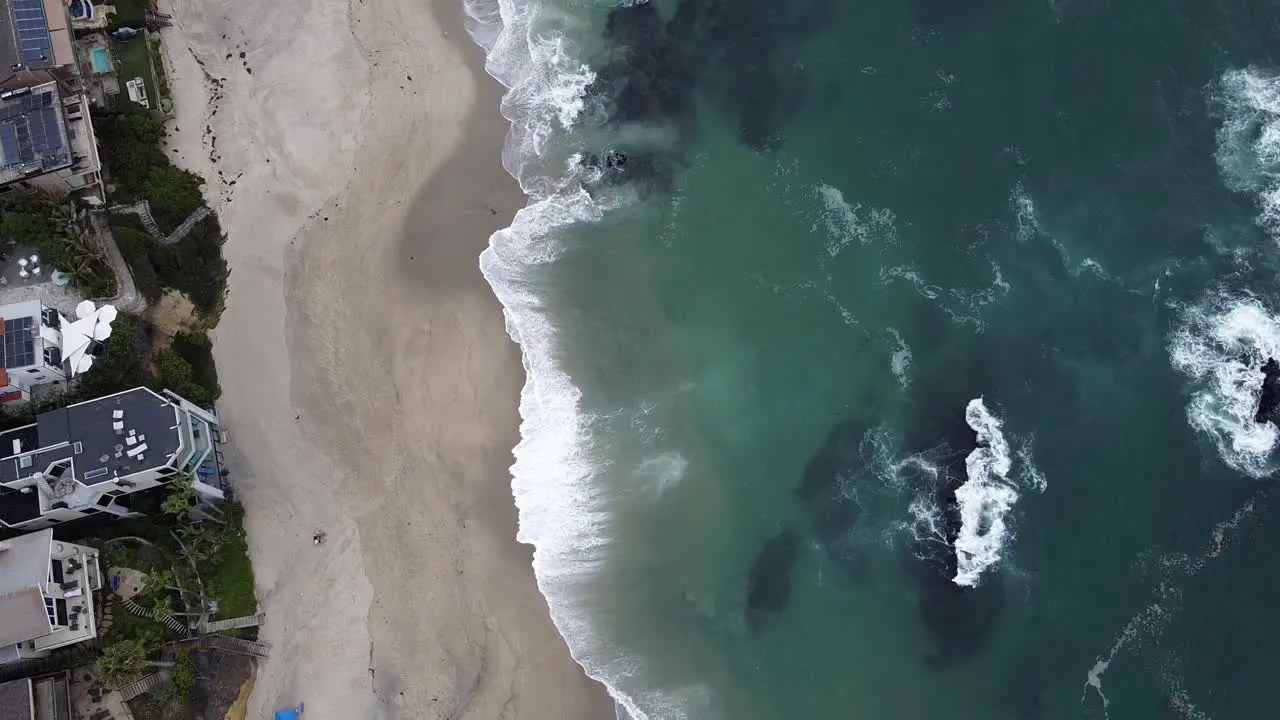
<point>648,77</point>
<point>644,80</point>
<point>826,495</point>
<point>741,63</point>
<point>769,586</point>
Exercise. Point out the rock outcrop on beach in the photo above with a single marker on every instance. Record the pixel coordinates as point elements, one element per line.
<point>1269,401</point>
<point>769,585</point>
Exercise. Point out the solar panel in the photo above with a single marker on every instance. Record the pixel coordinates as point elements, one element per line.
<point>32,29</point>
<point>19,345</point>
<point>48,137</point>
<point>9,143</point>
<point>23,132</point>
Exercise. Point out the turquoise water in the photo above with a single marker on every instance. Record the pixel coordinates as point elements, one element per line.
<point>898,359</point>
<point>99,60</point>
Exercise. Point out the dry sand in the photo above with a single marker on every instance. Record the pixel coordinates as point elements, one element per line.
<point>369,387</point>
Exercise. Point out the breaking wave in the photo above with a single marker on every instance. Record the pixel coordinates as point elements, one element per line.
<point>562,512</point>
<point>977,528</point>
<point>985,498</point>
<point>1220,347</point>
<point>1248,155</point>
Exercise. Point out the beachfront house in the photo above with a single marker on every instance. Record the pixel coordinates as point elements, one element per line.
<point>46,139</point>
<point>42,698</point>
<point>92,457</point>
<point>46,595</point>
<point>42,350</point>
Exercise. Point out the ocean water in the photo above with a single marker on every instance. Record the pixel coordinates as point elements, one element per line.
<point>898,358</point>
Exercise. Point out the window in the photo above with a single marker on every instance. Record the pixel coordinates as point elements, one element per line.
<point>104,501</point>
<point>77,447</point>
<point>60,608</point>
<point>55,568</point>
<point>48,609</point>
<point>34,370</point>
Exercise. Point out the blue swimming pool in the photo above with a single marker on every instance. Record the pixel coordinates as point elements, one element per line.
<point>99,60</point>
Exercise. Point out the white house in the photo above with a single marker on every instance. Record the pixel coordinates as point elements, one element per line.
<point>90,457</point>
<point>40,346</point>
<point>46,595</point>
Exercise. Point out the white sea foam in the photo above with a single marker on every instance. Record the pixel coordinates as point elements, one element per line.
<point>1026,222</point>
<point>846,223</point>
<point>1220,347</point>
<point>1248,155</point>
<point>1029,475</point>
<point>660,473</point>
<point>562,511</point>
<point>985,497</point>
<point>1027,227</point>
<point>900,359</point>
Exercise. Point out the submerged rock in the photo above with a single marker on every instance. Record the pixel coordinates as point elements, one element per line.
<point>957,617</point>
<point>769,586</point>
<point>828,500</point>
<point>1269,402</point>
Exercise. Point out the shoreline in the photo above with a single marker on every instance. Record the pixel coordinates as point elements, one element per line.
<point>370,387</point>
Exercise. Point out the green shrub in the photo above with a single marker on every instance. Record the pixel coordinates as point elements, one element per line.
<point>174,194</point>
<point>184,674</point>
<point>194,265</point>
<point>129,139</point>
<point>122,662</point>
<point>135,245</point>
<point>197,350</point>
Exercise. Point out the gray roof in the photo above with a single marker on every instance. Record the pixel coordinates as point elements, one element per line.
<point>89,425</point>
<point>24,573</point>
<point>18,507</point>
<point>15,700</point>
<point>24,36</point>
<point>33,136</point>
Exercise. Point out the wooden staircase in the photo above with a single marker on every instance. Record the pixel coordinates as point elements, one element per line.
<point>218,626</point>
<point>236,645</point>
<point>145,685</point>
<point>166,620</point>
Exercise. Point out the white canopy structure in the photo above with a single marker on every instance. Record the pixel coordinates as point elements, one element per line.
<point>91,324</point>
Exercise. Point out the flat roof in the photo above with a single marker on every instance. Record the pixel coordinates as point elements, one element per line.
<point>24,572</point>
<point>85,433</point>
<point>15,700</point>
<point>18,507</point>
<point>33,132</point>
<point>24,36</point>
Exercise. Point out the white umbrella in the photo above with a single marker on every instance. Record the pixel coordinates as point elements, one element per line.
<point>83,363</point>
<point>107,313</point>
<point>85,309</point>
<point>102,331</point>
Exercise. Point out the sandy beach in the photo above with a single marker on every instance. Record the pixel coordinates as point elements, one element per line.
<point>352,152</point>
